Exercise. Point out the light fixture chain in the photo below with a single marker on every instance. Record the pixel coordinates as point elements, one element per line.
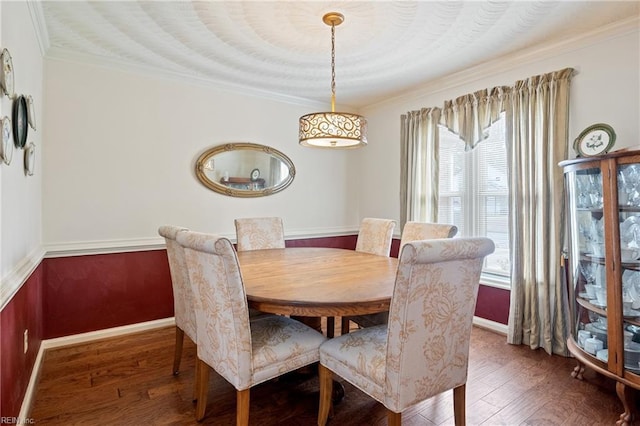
<point>333,67</point>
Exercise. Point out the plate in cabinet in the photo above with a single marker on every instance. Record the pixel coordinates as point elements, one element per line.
<point>603,355</point>
<point>634,370</point>
<point>631,313</point>
<point>595,257</point>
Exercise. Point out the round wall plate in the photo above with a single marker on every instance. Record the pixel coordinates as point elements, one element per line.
<point>20,125</point>
<point>6,73</point>
<point>29,159</point>
<point>31,112</point>
<point>6,148</point>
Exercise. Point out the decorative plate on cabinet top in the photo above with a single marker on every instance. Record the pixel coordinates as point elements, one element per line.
<point>6,73</point>
<point>29,158</point>
<point>6,149</point>
<point>20,125</point>
<point>31,112</point>
<point>596,139</point>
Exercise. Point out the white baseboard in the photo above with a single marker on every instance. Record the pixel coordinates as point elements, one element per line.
<point>58,342</point>
<point>491,325</point>
<point>108,332</point>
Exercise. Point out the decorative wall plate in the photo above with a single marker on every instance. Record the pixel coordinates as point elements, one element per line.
<point>596,139</point>
<point>29,158</point>
<point>31,112</point>
<point>255,174</point>
<point>6,148</point>
<point>6,73</point>
<point>20,125</point>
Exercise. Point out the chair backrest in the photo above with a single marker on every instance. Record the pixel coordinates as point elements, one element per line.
<point>375,236</point>
<point>182,294</point>
<point>222,315</point>
<point>259,233</point>
<point>416,231</point>
<point>430,318</point>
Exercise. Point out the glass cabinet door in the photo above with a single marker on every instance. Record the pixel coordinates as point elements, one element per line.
<point>603,268</point>
<point>628,185</point>
<point>587,260</point>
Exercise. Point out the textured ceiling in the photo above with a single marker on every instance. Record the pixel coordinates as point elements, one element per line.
<point>283,48</point>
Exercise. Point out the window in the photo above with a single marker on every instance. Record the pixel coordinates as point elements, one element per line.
<point>474,192</point>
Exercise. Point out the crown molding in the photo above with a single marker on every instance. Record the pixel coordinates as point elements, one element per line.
<point>515,60</point>
<point>53,53</point>
<point>39,25</point>
<point>65,55</point>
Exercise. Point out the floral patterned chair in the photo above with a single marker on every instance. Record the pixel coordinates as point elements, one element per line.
<point>424,349</point>
<point>182,294</point>
<point>259,233</point>
<point>416,231</point>
<point>244,353</point>
<point>412,231</point>
<point>375,236</point>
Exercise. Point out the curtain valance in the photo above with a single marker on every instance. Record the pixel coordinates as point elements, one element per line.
<point>469,116</point>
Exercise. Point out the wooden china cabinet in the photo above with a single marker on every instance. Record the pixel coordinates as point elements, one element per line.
<point>603,217</point>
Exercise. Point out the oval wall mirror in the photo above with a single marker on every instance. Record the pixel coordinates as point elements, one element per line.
<point>245,169</point>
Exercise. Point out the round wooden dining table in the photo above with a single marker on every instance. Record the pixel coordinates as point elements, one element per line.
<point>317,282</point>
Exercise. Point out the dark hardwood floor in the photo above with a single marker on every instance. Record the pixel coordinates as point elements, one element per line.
<point>127,381</point>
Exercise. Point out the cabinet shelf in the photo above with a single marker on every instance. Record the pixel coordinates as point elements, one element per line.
<point>591,307</point>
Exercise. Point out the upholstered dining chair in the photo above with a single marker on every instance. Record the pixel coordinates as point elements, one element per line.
<point>412,231</point>
<point>259,233</point>
<point>424,349</point>
<point>182,295</point>
<point>374,236</point>
<point>415,231</point>
<point>243,352</point>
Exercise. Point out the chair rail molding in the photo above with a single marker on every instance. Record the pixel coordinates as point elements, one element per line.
<point>80,248</point>
<point>13,281</point>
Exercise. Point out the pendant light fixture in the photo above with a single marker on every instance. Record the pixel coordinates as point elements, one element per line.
<point>333,129</point>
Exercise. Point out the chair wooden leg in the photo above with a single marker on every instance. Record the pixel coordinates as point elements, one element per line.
<point>459,410</point>
<point>178,350</point>
<point>331,327</point>
<point>202,382</point>
<point>325,378</point>
<point>394,419</point>
<point>242,407</point>
<point>195,380</point>
<point>344,328</point>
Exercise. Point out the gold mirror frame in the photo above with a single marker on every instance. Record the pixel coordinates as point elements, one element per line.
<point>206,158</point>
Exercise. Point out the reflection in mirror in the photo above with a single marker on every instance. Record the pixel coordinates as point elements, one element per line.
<point>244,170</point>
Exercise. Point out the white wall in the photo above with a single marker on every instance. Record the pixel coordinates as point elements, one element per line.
<point>121,148</point>
<point>20,195</point>
<point>605,89</point>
